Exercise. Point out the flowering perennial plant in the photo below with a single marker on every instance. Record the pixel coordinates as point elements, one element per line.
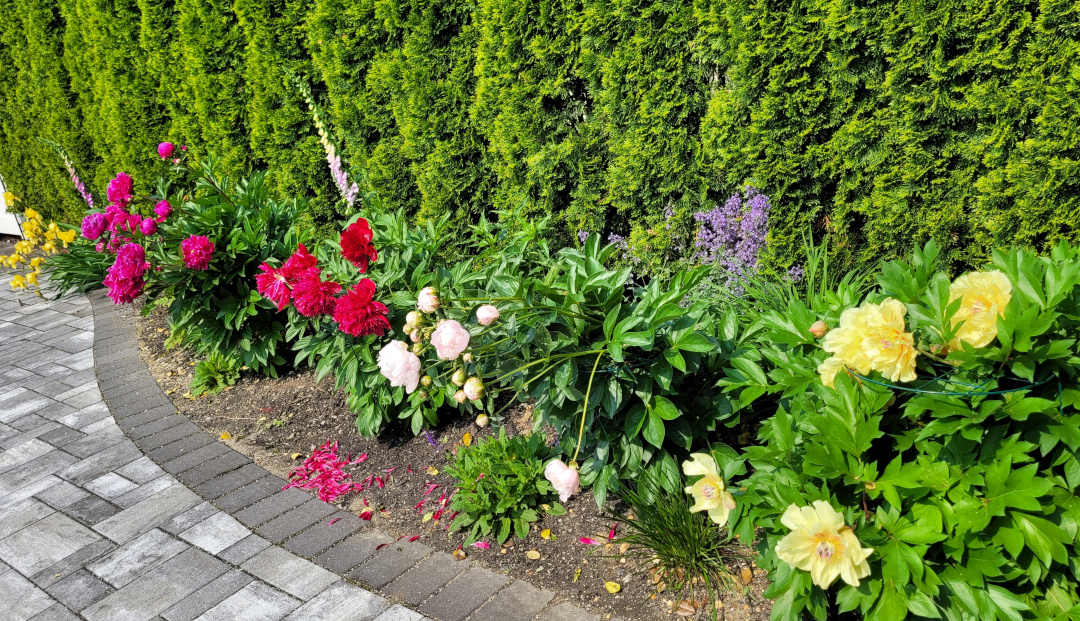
<point>37,237</point>
<point>198,251</point>
<point>733,234</point>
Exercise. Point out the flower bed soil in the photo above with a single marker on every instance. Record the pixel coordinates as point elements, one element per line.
<point>278,422</point>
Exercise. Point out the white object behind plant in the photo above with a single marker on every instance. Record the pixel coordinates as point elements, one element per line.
<point>8,224</point>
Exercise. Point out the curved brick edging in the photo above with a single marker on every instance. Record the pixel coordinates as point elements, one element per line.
<point>429,581</point>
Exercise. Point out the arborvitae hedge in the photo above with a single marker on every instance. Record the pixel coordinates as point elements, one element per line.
<point>884,123</point>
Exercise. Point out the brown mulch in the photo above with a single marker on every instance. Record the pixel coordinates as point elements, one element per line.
<point>278,422</point>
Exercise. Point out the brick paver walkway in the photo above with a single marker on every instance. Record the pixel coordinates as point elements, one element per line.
<point>121,509</point>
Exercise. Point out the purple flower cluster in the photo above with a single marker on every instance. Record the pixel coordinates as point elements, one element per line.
<point>796,274</point>
<point>733,234</point>
<point>582,236</point>
<point>618,240</point>
<point>341,178</point>
<point>79,185</point>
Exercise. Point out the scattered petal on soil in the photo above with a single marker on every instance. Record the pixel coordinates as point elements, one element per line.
<point>589,541</point>
<point>483,545</point>
<point>612,587</point>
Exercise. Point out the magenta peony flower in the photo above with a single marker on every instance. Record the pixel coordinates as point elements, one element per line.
<point>399,365</point>
<point>148,227</point>
<point>487,314</point>
<point>100,247</point>
<point>125,277</point>
<point>165,150</point>
<point>163,210</point>
<point>94,225</point>
<point>120,190</point>
<point>115,214</point>
<point>273,286</point>
<point>358,314</point>
<point>132,223</point>
<point>313,297</point>
<point>276,284</point>
<point>198,251</point>
<point>450,339</point>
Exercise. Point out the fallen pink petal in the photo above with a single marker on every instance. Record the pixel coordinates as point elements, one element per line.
<point>588,541</point>
<point>322,472</point>
<point>331,522</point>
<point>482,545</point>
<point>389,470</point>
<point>611,534</point>
<point>419,505</point>
<point>414,538</point>
<point>431,487</point>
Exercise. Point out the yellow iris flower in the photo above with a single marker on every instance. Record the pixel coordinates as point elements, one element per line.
<point>9,198</point>
<point>36,262</point>
<point>49,248</point>
<point>31,278</point>
<point>66,237</point>
<point>17,282</point>
<point>23,247</point>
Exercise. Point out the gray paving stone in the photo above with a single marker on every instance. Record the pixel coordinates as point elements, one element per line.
<point>288,524</point>
<point>231,481</point>
<point>159,589</point>
<point>352,551</point>
<point>567,612</point>
<point>428,576</point>
<point>189,518</point>
<point>341,602</point>
<point>62,495</point>
<point>45,542</point>
<point>24,453</point>
<point>168,436</point>
<point>27,435</point>
<point>194,605</point>
<point>98,464</point>
<point>520,601</point>
<point>91,510</point>
<point>389,563</point>
<point>22,514</point>
<point>290,573</point>
<point>79,590</point>
<point>323,534</point>
<point>145,491</point>
<point>39,468</point>
<point>272,506</point>
<point>215,533</point>
<point>181,446</point>
<point>136,557</point>
<point>249,494</point>
<point>191,459</point>
<point>157,426</point>
<point>464,595</point>
<point>62,436</point>
<point>140,471</point>
<point>244,549</point>
<point>255,602</point>
<point>58,612</point>
<point>70,564</point>
<point>213,468</point>
<point>28,422</point>
<point>400,613</point>
<point>110,486</point>
<point>135,520</point>
<point>85,416</point>
<point>20,599</point>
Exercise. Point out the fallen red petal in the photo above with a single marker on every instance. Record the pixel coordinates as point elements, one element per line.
<point>588,541</point>
<point>611,534</point>
<point>331,522</point>
<point>482,545</point>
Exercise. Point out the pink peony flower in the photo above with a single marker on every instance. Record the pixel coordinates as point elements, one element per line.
<point>198,251</point>
<point>94,225</point>
<point>120,189</point>
<point>163,210</point>
<point>428,300</point>
<point>273,286</point>
<point>563,478</point>
<point>100,246</point>
<point>125,277</point>
<point>450,339</point>
<point>356,245</point>
<point>131,224</point>
<point>487,314</point>
<point>115,214</point>
<point>165,150</point>
<point>148,227</point>
<point>399,365</point>
<point>358,314</point>
<point>300,263</point>
<point>313,297</point>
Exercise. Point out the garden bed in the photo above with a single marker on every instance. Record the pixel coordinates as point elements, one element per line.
<point>278,422</point>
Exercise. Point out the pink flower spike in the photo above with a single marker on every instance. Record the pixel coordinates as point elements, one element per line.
<point>588,541</point>
<point>611,534</point>
<point>331,522</point>
<point>431,487</point>
<point>413,538</point>
<point>483,545</point>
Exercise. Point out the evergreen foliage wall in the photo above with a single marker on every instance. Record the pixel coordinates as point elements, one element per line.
<point>882,122</point>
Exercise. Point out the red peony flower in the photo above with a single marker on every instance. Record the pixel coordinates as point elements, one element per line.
<point>356,245</point>
<point>299,264</point>
<point>358,314</point>
<point>314,297</point>
<point>273,286</point>
<point>198,251</point>
<point>125,277</point>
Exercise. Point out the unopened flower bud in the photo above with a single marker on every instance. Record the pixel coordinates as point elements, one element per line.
<point>417,348</point>
<point>423,394</point>
<point>425,381</point>
<point>415,336</point>
<point>458,378</point>
<point>413,318</point>
<point>474,388</point>
<point>467,357</point>
<point>819,329</point>
<point>428,300</point>
<point>482,421</point>
<point>487,314</point>
<point>460,397</point>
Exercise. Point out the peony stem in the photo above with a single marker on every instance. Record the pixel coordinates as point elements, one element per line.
<point>585,410</point>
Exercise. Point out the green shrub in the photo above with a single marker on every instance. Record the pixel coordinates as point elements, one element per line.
<point>501,487</point>
<point>214,374</point>
<point>962,482</point>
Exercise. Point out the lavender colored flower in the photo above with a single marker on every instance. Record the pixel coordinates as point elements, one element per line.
<point>732,235</point>
<point>582,236</point>
<point>618,240</point>
<point>795,274</point>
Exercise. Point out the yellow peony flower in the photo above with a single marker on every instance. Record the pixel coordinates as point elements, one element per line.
<point>17,282</point>
<point>66,237</point>
<point>890,348</point>
<point>984,296</point>
<point>829,369</point>
<point>708,492</point>
<point>846,341</point>
<point>821,544</point>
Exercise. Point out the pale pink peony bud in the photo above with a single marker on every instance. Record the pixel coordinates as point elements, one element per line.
<point>460,397</point>
<point>563,478</point>
<point>482,421</point>
<point>487,314</point>
<point>399,365</point>
<point>458,378</point>
<point>474,388</point>
<point>428,300</point>
<point>819,329</point>
<point>413,318</point>
<point>425,381</point>
<point>450,339</point>
<point>415,336</point>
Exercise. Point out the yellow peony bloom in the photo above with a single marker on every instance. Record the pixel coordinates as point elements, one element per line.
<point>890,348</point>
<point>829,369</point>
<point>984,296</point>
<point>846,341</point>
<point>708,492</point>
<point>17,282</point>
<point>821,544</point>
<point>66,236</point>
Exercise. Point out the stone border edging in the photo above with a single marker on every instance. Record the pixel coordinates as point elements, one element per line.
<point>431,582</point>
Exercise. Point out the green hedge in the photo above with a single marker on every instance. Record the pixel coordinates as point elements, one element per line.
<point>883,123</point>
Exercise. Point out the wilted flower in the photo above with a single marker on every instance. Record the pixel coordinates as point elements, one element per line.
<point>450,339</point>
<point>166,150</point>
<point>708,492</point>
<point>428,300</point>
<point>563,478</point>
<point>821,544</point>
<point>983,297</point>
<point>474,388</point>
<point>356,245</point>
<point>94,225</point>
<point>358,314</point>
<point>399,365</point>
<point>198,251</point>
<point>487,314</point>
